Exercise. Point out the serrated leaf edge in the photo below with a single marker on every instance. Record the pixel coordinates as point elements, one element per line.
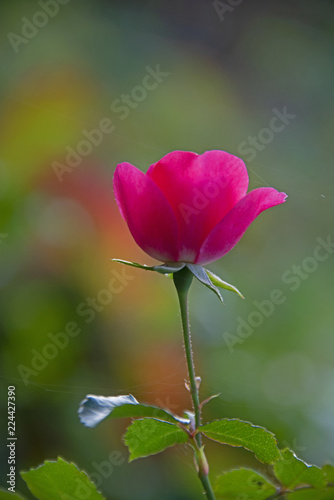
<point>124,437</point>
<point>61,460</point>
<point>241,446</point>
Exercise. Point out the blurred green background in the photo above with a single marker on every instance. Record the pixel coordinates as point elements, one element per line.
<point>226,73</point>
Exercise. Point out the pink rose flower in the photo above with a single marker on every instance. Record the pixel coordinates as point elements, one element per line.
<point>188,207</point>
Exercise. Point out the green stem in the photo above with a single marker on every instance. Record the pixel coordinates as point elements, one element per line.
<point>182,284</point>
<point>182,280</point>
<point>207,487</point>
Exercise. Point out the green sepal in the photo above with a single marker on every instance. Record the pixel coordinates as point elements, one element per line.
<point>206,277</point>
<point>149,436</point>
<point>292,471</point>
<point>201,274</point>
<point>235,432</point>
<point>217,281</point>
<point>244,483</point>
<point>94,409</point>
<point>162,269</point>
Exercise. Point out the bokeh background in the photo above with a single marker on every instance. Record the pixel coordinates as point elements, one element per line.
<point>226,74</point>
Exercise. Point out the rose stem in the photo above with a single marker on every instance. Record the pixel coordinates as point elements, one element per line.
<point>182,280</point>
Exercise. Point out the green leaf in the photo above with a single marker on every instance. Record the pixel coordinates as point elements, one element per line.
<point>149,436</point>
<point>170,268</point>
<point>6,495</point>
<point>201,274</point>
<point>235,432</point>
<point>310,494</point>
<point>60,480</point>
<point>329,473</point>
<point>292,472</point>
<point>94,409</point>
<point>217,281</point>
<point>243,483</point>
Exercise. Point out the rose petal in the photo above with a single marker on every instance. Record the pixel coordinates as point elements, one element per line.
<point>230,229</point>
<point>149,216</point>
<point>201,190</point>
